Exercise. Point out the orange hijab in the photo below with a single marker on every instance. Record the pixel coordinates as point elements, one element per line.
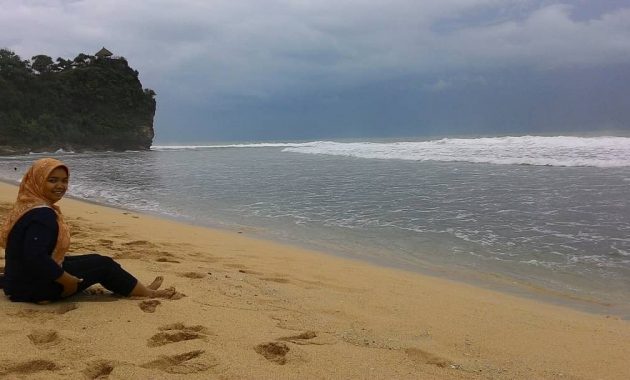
<point>30,196</point>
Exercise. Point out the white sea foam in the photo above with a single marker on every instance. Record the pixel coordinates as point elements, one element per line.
<point>253,145</point>
<point>58,151</point>
<point>602,152</point>
<point>114,197</point>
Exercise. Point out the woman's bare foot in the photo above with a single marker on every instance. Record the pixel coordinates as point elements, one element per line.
<point>153,291</point>
<point>155,285</point>
<point>147,291</point>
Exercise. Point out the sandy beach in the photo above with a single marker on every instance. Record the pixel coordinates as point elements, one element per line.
<point>257,309</point>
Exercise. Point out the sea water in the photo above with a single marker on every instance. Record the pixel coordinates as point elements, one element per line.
<point>537,215</point>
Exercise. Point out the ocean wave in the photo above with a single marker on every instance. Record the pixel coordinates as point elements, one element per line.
<point>568,151</point>
<point>252,145</point>
<point>58,151</point>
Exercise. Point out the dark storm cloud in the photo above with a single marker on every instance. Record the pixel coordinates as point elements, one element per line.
<point>274,66</point>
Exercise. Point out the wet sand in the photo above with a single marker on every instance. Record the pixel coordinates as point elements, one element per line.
<point>257,309</point>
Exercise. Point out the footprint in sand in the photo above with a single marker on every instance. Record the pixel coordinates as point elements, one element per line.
<point>171,294</point>
<point>194,275</point>
<point>139,243</point>
<point>127,255</point>
<point>186,363</point>
<point>247,271</point>
<point>278,352</point>
<point>166,260</point>
<point>28,367</point>
<point>275,352</point>
<point>276,279</point>
<point>44,338</point>
<point>309,337</point>
<point>423,357</point>
<point>98,369</point>
<point>45,311</point>
<point>177,332</point>
<point>105,242</point>
<point>149,306</point>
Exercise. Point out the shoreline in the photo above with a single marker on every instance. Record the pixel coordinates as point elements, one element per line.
<point>258,309</point>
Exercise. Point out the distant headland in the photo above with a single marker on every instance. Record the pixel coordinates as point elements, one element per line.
<point>91,103</point>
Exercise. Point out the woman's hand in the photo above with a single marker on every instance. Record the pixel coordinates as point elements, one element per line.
<point>70,284</point>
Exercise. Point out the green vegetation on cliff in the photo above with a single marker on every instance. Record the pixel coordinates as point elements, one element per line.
<point>89,103</point>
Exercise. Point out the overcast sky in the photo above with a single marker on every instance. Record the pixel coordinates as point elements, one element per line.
<point>246,70</point>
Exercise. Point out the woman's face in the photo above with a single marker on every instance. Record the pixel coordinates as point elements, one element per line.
<point>56,185</point>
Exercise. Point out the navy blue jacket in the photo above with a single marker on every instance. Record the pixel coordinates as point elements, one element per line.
<point>29,268</point>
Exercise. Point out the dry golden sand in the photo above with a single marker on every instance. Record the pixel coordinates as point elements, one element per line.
<point>256,309</point>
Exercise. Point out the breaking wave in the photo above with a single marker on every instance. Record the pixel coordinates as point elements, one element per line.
<point>605,152</point>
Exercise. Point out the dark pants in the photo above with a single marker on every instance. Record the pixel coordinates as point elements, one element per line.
<point>97,269</point>
<point>92,269</point>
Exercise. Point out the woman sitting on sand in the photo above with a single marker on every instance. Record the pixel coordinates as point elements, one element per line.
<point>36,240</point>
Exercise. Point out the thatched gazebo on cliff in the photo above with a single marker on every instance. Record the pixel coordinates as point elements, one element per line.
<point>103,53</point>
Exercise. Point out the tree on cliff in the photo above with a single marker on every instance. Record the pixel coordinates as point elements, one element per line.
<point>80,104</point>
<point>42,63</point>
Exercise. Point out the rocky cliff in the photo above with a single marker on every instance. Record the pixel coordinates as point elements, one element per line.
<point>89,103</point>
